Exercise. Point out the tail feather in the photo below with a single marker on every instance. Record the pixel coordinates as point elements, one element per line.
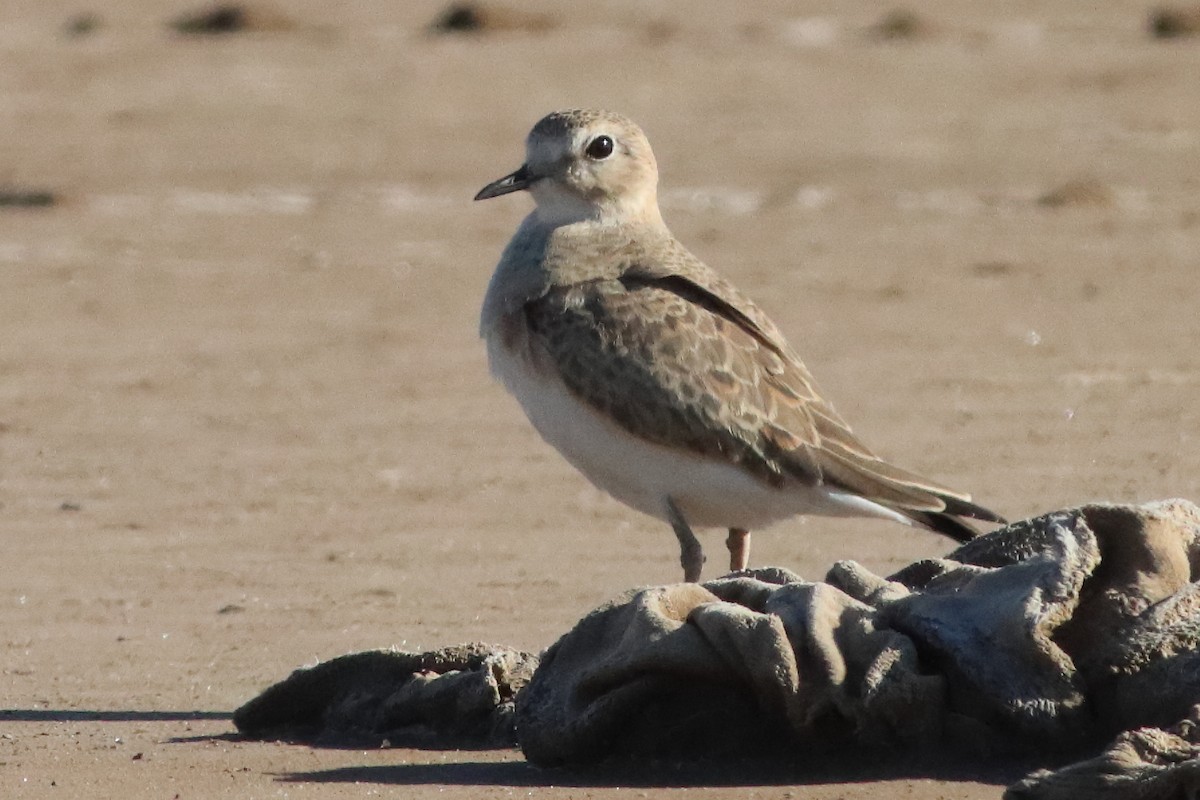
<point>926,503</point>
<point>946,525</point>
<point>949,522</point>
<point>965,508</point>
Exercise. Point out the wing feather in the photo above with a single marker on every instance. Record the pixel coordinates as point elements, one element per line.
<point>682,359</point>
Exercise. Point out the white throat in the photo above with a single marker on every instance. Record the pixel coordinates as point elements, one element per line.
<point>557,206</point>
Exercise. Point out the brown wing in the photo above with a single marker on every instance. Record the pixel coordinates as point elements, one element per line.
<point>679,365</point>
<point>666,369</point>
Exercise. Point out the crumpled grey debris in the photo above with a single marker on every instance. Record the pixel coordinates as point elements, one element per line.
<point>457,695</point>
<point>1143,764</point>
<point>1047,636</point>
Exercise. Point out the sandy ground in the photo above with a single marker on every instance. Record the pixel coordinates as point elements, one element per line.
<point>245,419</point>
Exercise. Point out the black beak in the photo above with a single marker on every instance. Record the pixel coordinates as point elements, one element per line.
<point>521,179</point>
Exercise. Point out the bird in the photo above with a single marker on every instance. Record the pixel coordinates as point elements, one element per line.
<point>654,376</point>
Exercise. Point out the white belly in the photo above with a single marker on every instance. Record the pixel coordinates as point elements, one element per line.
<point>643,475</point>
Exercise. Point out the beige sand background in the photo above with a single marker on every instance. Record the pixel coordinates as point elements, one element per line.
<point>245,419</point>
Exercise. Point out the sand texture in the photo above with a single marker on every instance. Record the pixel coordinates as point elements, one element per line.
<point>245,419</point>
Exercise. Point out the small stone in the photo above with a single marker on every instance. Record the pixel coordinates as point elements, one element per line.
<point>17,197</point>
<point>1175,23</point>
<point>1081,192</point>
<point>478,18</point>
<point>900,24</point>
<point>82,24</point>
<point>226,18</point>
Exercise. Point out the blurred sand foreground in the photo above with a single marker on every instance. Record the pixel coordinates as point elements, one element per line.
<point>245,420</point>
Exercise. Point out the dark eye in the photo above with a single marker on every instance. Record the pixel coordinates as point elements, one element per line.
<point>600,148</point>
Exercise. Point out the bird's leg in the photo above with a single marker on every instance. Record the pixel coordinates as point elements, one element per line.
<point>738,543</point>
<point>691,555</point>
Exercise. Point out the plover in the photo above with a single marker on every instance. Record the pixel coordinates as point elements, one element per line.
<point>653,375</point>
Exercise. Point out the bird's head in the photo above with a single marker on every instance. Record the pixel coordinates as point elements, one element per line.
<point>583,164</point>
